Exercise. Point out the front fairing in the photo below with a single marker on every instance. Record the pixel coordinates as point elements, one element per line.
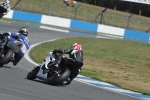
<point>15,46</point>
<point>44,65</point>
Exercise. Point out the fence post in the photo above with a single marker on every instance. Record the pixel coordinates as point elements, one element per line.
<point>101,13</point>
<point>102,16</point>
<point>129,21</point>
<point>96,17</point>
<point>85,15</point>
<point>76,10</point>
<point>21,5</point>
<point>42,7</point>
<point>148,30</point>
<point>15,4</point>
<point>51,7</point>
<point>31,7</point>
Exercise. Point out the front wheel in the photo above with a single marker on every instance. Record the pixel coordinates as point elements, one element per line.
<point>7,57</point>
<point>32,74</point>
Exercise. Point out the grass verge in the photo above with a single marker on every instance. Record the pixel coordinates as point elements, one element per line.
<point>122,63</point>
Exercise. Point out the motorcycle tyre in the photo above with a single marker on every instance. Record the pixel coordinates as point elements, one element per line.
<point>6,58</point>
<point>32,74</point>
<point>58,80</point>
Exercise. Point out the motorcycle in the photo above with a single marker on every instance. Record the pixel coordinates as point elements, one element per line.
<point>1,15</point>
<point>2,11</point>
<point>8,49</point>
<point>54,75</point>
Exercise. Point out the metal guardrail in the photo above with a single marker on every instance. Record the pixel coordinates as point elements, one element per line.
<point>84,12</point>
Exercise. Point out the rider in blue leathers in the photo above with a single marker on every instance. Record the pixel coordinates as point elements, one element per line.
<point>20,36</point>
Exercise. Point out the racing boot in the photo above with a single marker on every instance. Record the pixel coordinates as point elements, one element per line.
<point>66,82</point>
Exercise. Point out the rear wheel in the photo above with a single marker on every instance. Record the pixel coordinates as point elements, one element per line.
<point>64,74</point>
<point>32,74</point>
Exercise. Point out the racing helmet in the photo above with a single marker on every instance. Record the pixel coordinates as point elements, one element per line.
<point>77,46</point>
<point>7,1</point>
<point>23,31</point>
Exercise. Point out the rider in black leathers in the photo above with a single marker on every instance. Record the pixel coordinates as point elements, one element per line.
<point>74,62</point>
<point>4,8</point>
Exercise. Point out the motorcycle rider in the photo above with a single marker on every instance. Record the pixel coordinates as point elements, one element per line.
<point>22,37</point>
<point>74,62</point>
<point>4,8</point>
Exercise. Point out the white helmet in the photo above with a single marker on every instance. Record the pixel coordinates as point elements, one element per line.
<point>7,1</point>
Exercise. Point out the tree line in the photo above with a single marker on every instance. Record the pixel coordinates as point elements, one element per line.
<point>131,7</point>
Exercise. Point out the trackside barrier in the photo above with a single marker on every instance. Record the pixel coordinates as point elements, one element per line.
<point>78,24</point>
<point>136,36</point>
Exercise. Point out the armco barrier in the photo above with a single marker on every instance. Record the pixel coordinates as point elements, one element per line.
<point>111,30</point>
<point>56,21</point>
<point>138,35</point>
<point>77,24</point>
<point>24,16</point>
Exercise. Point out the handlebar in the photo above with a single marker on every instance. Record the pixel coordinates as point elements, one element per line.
<point>4,39</point>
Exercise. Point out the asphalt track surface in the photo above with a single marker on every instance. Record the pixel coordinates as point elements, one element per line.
<point>15,86</point>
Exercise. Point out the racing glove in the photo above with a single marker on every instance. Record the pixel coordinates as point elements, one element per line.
<point>58,51</point>
<point>7,34</point>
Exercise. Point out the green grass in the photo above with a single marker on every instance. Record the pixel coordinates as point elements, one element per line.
<point>122,63</point>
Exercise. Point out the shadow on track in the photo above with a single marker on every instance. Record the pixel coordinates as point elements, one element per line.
<point>44,82</point>
<point>5,67</point>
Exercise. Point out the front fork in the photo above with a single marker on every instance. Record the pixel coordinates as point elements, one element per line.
<point>1,52</point>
